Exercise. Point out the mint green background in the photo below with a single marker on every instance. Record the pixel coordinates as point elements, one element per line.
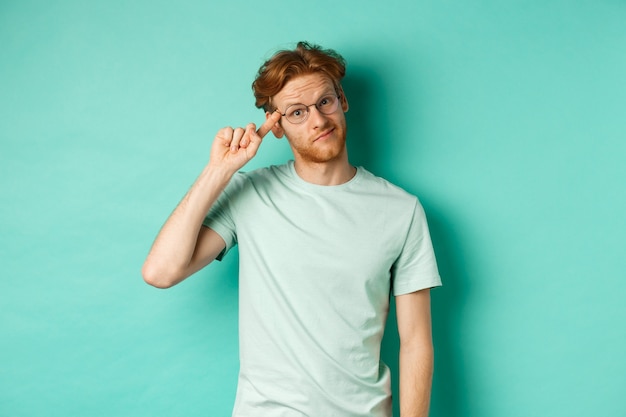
<point>508,119</point>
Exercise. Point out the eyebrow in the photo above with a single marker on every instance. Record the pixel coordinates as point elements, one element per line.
<point>329,91</point>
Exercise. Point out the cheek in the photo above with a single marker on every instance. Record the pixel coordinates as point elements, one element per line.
<point>293,134</point>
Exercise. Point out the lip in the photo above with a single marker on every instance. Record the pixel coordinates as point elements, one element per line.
<point>325,134</point>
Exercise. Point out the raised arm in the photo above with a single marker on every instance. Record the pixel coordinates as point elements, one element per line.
<point>184,246</point>
<point>416,353</point>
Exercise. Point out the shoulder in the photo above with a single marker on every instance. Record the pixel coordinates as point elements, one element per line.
<point>270,173</point>
<point>384,188</point>
<point>265,177</point>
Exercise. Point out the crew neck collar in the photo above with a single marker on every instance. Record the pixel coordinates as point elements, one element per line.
<point>294,175</point>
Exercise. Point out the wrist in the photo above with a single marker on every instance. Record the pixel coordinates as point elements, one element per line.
<point>213,180</point>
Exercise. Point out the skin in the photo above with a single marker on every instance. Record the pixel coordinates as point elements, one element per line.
<point>416,353</point>
<point>183,246</point>
<point>318,144</point>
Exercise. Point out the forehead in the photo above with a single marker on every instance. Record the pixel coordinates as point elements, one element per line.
<point>303,89</point>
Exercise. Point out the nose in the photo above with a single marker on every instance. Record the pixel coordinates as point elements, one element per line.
<point>316,117</point>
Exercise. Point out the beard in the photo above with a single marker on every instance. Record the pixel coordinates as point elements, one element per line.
<point>327,149</point>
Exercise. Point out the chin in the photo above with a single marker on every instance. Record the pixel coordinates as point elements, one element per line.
<point>324,155</point>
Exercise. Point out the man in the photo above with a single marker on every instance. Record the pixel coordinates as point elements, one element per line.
<point>322,245</point>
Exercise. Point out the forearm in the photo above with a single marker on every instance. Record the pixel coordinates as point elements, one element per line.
<point>181,247</point>
<point>416,372</point>
<point>171,254</point>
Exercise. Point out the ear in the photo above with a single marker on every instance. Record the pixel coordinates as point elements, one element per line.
<point>344,100</point>
<point>277,129</point>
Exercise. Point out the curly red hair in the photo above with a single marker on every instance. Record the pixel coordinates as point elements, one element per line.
<point>287,64</point>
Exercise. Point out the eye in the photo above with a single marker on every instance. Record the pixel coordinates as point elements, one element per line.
<point>296,112</point>
<point>326,101</point>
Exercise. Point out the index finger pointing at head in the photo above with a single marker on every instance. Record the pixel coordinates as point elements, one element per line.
<point>269,123</point>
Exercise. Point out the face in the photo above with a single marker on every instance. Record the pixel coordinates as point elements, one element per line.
<point>321,137</point>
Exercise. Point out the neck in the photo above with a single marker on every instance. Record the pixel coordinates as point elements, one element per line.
<point>325,173</point>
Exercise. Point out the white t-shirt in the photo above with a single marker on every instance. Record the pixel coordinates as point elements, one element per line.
<point>317,267</point>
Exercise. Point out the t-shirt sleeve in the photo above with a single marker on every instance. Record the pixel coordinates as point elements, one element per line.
<point>416,267</point>
<point>221,216</point>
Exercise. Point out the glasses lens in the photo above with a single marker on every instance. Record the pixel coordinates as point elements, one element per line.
<point>297,113</point>
<point>328,104</point>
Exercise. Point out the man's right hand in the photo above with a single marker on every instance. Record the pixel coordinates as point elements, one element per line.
<point>183,246</point>
<point>233,148</point>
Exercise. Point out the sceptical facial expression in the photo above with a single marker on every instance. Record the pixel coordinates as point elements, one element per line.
<point>321,137</point>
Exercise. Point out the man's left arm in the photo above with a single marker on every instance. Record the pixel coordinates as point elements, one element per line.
<point>416,352</point>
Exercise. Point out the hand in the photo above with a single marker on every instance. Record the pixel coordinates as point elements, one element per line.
<point>233,148</point>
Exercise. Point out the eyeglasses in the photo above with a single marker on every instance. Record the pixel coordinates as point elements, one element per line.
<point>298,113</point>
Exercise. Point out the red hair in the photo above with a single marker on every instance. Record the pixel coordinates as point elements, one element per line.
<point>287,64</point>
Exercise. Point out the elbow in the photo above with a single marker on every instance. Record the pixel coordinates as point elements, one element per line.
<point>416,345</point>
<point>422,352</point>
<point>155,277</point>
